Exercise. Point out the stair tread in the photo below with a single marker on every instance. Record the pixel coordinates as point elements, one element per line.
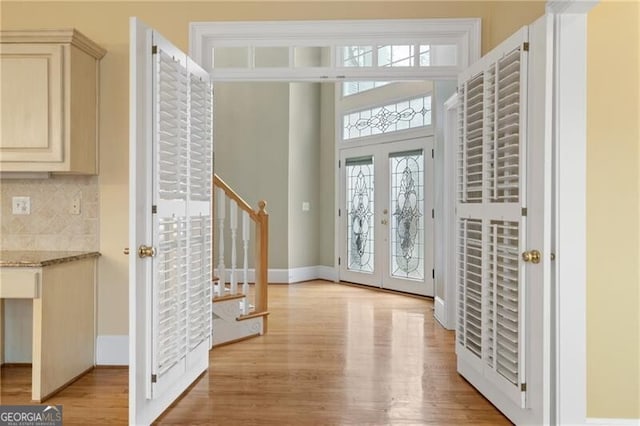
<point>227,297</point>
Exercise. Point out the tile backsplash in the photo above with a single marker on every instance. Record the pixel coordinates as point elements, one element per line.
<point>51,225</point>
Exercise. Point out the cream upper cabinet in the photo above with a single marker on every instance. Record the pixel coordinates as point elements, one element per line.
<point>49,92</point>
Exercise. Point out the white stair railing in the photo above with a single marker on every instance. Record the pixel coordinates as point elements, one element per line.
<point>259,219</point>
<point>245,267</point>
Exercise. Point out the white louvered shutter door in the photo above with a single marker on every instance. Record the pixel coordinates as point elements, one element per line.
<point>491,215</point>
<point>200,172</point>
<point>181,296</point>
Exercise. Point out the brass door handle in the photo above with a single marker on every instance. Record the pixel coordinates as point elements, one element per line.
<point>125,251</point>
<point>146,251</point>
<point>532,256</point>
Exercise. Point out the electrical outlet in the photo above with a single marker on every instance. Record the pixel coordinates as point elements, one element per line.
<point>75,205</point>
<point>21,205</point>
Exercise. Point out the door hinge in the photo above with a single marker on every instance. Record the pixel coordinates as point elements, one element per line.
<point>432,154</point>
<point>339,163</point>
<point>154,378</point>
<point>154,209</point>
<point>523,387</point>
<point>433,274</point>
<point>525,46</point>
<point>433,214</point>
<point>524,211</point>
<point>338,261</point>
<point>154,50</point>
<point>339,212</point>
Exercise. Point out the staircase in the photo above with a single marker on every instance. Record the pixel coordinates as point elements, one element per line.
<point>239,309</point>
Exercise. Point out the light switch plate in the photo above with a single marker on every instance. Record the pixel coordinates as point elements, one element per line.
<point>306,206</point>
<point>21,205</point>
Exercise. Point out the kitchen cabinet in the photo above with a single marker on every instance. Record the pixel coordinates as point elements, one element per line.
<point>49,102</point>
<point>47,315</point>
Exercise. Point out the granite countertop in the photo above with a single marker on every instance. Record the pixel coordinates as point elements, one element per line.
<point>37,259</point>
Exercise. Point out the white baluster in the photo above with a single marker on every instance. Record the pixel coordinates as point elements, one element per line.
<point>220,203</point>
<point>245,268</point>
<point>233,212</point>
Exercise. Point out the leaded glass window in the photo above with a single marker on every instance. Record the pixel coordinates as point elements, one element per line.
<point>407,208</point>
<point>407,114</point>
<point>360,217</point>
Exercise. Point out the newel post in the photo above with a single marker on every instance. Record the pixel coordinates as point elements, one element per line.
<point>262,261</point>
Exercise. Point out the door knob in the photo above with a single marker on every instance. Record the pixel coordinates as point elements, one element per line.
<point>384,221</point>
<point>125,251</point>
<point>146,251</point>
<point>532,256</point>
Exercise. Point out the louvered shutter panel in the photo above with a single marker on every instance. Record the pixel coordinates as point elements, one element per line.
<point>200,175</point>
<point>182,220</point>
<point>490,217</point>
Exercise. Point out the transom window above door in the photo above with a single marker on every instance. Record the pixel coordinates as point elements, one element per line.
<point>334,51</point>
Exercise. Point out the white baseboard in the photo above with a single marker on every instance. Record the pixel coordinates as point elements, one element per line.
<point>112,350</point>
<point>328,273</point>
<point>612,422</point>
<point>288,276</point>
<point>440,311</point>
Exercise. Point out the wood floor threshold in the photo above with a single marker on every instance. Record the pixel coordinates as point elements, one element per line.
<point>112,367</point>
<point>16,364</point>
<point>252,315</point>
<point>66,385</point>
<point>386,290</point>
<point>227,297</point>
<point>240,339</point>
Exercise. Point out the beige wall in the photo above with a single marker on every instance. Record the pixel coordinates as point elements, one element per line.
<point>613,332</point>
<point>251,144</point>
<point>327,175</point>
<point>613,158</point>
<point>304,174</point>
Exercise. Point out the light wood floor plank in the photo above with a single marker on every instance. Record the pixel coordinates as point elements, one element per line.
<point>334,355</point>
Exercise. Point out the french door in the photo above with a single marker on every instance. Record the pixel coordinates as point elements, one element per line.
<point>503,221</point>
<point>386,215</point>
<point>171,128</point>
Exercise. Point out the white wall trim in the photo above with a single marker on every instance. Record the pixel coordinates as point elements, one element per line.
<point>612,422</point>
<point>289,276</point>
<point>204,36</point>
<point>112,350</point>
<point>570,185</point>
<point>440,313</point>
<point>328,273</point>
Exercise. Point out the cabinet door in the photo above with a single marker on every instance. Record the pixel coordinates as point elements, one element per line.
<point>32,103</point>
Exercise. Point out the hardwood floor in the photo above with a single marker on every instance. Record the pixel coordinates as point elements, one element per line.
<point>334,354</point>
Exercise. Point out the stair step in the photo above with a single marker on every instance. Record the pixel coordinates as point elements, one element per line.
<point>252,315</point>
<point>227,297</point>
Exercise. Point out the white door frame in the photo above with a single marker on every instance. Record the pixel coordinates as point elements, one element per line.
<point>569,118</point>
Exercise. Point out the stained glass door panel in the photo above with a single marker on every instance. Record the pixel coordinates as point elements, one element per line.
<point>409,233</point>
<point>386,221</point>
<point>407,210</point>
<point>360,214</point>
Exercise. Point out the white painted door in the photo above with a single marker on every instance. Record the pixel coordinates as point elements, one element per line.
<point>386,215</point>
<point>170,223</point>
<point>503,213</point>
